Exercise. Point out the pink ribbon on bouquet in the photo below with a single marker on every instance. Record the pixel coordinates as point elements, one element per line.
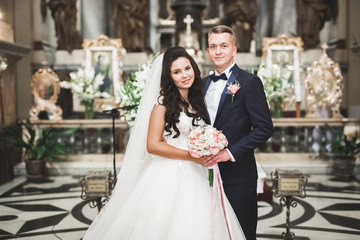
<point>217,186</point>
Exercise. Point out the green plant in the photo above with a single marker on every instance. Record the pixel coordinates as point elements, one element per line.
<point>344,147</point>
<point>46,146</point>
<point>131,92</point>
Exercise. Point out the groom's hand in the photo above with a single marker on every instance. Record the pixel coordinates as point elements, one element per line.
<point>222,156</point>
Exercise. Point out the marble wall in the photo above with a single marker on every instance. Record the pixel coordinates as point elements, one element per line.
<point>353,86</point>
<point>8,87</point>
<point>23,36</point>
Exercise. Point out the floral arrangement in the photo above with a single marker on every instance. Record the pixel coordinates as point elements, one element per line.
<point>85,86</point>
<point>131,92</point>
<point>276,84</point>
<point>206,140</point>
<point>232,89</point>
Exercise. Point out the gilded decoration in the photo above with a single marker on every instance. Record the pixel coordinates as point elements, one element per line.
<point>103,41</point>
<point>45,86</point>
<point>282,54</point>
<point>324,86</point>
<point>282,40</point>
<point>104,56</point>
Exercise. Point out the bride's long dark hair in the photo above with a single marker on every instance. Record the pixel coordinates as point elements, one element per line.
<point>171,97</point>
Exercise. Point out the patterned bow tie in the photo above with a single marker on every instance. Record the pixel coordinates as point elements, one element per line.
<point>214,77</point>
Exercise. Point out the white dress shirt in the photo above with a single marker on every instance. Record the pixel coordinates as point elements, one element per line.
<point>213,95</point>
<point>214,92</point>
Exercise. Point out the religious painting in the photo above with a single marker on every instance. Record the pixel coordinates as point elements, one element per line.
<point>103,56</point>
<point>103,61</point>
<point>282,54</point>
<point>283,58</point>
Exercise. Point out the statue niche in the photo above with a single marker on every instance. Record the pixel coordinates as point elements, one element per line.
<point>130,17</point>
<point>64,15</point>
<point>240,15</point>
<point>311,17</point>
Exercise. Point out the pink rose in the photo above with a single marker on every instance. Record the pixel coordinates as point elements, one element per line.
<point>223,139</point>
<point>214,150</point>
<point>195,154</point>
<point>216,136</point>
<point>234,88</point>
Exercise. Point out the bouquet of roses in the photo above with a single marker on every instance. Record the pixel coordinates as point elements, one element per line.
<point>206,140</point>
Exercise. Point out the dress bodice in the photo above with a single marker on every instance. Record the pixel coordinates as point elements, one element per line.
<point>185,126</point>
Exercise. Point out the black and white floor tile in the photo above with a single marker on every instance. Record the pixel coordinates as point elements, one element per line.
<point>53,209</point>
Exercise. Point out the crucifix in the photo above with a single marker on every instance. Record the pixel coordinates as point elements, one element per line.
<point>188,39</point>
<point>188,20</point>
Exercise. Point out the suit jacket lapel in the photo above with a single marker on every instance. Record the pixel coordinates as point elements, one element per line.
<point>207,84</point>
<point>224,95</point>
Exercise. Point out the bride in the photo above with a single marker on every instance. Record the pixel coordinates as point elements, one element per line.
<point>162,193</point>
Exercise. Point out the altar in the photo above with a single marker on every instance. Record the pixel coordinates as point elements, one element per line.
<point>321,83</point>
<point>302,131</point>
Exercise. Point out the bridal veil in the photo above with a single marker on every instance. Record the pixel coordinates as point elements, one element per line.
<point>136,148</point>
<point>134,158</point>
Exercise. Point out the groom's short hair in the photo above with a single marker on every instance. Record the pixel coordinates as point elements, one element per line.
<point>223,29</point>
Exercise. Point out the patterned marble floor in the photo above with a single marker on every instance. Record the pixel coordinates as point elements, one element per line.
<point>52,209</point>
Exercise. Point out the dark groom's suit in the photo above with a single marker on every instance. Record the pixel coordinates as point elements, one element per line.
<point>246,122</point>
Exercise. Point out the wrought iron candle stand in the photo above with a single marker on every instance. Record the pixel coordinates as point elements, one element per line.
<point>288,184</point>
<point>97,186</point>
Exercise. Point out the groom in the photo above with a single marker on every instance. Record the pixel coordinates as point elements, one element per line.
<point>244,118</point>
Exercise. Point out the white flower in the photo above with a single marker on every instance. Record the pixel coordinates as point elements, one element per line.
<point>131,92</point>
<point>277,84</point>
<point>85,86</point>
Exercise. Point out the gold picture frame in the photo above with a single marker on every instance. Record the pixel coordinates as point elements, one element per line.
<point>45,85</point>
<point>104,55</point>
<point>285,52</point>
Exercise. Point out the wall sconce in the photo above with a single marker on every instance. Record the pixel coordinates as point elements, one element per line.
<point>95,186</point>
<point>355,48</point>
<point>286,185</point>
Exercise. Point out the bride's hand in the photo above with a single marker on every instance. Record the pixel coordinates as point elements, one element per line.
<point>222,156</point>
<point>201,160</point>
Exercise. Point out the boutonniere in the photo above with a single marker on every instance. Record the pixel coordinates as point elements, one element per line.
<point>232,89</point>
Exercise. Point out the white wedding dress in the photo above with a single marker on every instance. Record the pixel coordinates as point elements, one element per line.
<point>171,200</point>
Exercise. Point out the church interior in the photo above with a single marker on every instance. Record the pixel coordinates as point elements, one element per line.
<point>72,74</point>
